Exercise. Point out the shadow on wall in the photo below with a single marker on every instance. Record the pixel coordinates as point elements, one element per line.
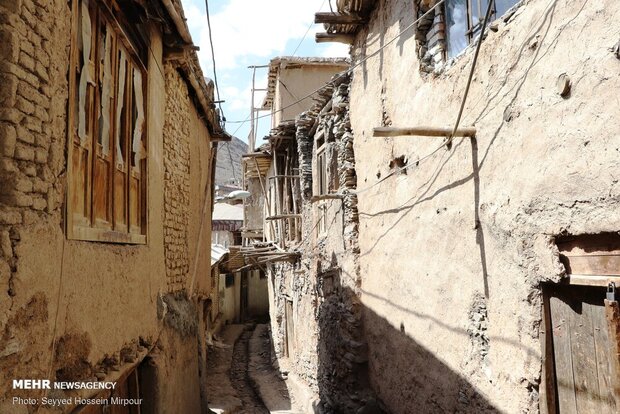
<point>413,377</point>
<point>355,376</point>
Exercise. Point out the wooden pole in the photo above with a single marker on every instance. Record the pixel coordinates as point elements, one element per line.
<point>283,216</point>
<point>425,131</point>
<point>260,179</point>
<point>326,197</point>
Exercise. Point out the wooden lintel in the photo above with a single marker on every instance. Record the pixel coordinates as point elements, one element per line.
<point>256,155</point>
<point>334,37</point>
<point>283,176</point>
<point>592,280</point>
<point>283,216</point>
<point>326,197</point>
<point>425,131</point>
<point>338,18</point>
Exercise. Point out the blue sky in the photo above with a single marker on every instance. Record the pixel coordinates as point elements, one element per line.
<point>251,32</point>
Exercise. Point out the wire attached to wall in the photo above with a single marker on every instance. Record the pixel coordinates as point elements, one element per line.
<point>447,141</point>
<point>217,87</point>
<point>308,31</point>
<point>361,62</point>
<point>217,90</point>
<point>473,67</point>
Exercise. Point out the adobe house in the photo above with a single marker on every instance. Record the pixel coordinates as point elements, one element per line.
<point>303,236</point>
<point>291,81</point>
<point>242,291</point>
<point>108,131</point>
<point>486,248</point>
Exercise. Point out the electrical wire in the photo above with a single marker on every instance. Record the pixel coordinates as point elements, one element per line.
<point>473,67</point>
<point>361,62</point>
<point>447,141</point>
<point>232,164</point>
<point>308,31</point>
<point>404,167</point>
<point>217,87</point>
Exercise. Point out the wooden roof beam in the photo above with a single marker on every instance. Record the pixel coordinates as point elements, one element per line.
<point>339,18</point>
<point>334,37</point>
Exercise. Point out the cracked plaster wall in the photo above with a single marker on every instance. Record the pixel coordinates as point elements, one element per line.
<point>479,220</point>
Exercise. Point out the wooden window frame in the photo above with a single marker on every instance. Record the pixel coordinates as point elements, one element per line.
<point>321,168</point>
<point>122,222</point>
<point>322,182</point>
<point>473,28</point>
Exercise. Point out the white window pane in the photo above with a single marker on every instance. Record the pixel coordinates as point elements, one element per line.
<point>456,21</point>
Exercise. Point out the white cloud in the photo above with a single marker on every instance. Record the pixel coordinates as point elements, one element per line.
<point>335,50</point>
<point>239,98</point>
<point>251,32</point>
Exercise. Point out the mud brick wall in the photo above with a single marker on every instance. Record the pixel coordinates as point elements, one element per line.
<point>34,45</point>
<point>176,179</point>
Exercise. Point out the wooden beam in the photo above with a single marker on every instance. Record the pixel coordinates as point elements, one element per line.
<point>326,197</point>
<point>283,176</point>
<point>178,52</point>
<point>256,155</point>
<point>338,18</point>
<point>592,280</point>
<point>425,131</point>
<point>334,37</point>
<point>283,216</point>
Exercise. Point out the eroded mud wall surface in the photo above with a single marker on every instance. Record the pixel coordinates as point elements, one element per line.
<point>75,310</point>
<point>68,307</point>
<point>453,251</point>
<point>317,317</point>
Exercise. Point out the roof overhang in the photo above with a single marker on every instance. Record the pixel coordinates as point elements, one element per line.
<point>342,25</point>
<point>290,62</point>
<point>180,50</point>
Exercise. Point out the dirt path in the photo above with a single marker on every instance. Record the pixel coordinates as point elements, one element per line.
<point>239,378</point>
<point>266,379</point>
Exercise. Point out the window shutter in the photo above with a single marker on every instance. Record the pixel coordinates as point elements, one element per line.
<point>106,130</point>
<point>82,128</point>
<point>122,139</point>
<point>102,169</point>
<point>138,155</point>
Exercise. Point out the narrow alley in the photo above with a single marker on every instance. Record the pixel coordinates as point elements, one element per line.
<point>309,207</point>
<point>244,379</point>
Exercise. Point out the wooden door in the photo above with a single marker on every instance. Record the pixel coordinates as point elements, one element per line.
<point>581,353</point>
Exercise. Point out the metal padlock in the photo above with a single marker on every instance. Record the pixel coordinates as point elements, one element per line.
<point>611,291</point>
